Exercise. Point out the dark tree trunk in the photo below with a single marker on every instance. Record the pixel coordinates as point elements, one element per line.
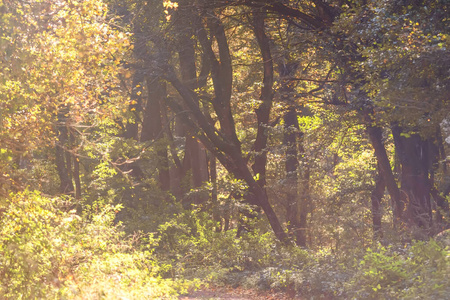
<point>291,144</point>
<point>176,171</point>
<point>76,169</point>
<point>214,194</point>
<point>226,152</point>
<point>66,185</point>
<point>304,199</point>
<point>132,127</point>
<point>63,168</point>
<point>442,207</point>
<point>76,176</point>
<point>68,155</point>
<point>385,170</point>
<point>152,129</point>
<point>195,158</point>
<point>222,143</point>
<point>441,149</point>
<point>291,183</point>
<point>263,202</point>
<point>263,111</point>
<point>414,155</point>
<point>376,197</point>
<point>386,174</point>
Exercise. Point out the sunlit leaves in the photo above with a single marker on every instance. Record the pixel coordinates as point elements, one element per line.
<point>169,5</point>
<point>58,54</point>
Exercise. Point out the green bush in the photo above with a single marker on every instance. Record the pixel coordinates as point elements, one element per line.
<point>417,271</point>
<point>46,252</point>
<point>191,246</point>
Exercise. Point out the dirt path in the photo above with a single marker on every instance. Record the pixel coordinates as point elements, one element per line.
<point>229,293</point>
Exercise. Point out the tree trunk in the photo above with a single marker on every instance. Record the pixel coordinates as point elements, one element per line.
<point>263,111</point>
<point>66,185</point>
<point>291,144</point>
<point>152,129</point>
<point>291,131</point>
<point>442,207</point>
<point>214,194</point>
<point>376,197</point>
<point>195,156</point>
<point>223,143</point>
<point>414,157</point>
<point>76,169</point>
<point>305,197</point>
<point>385,170</point>
<point>132,127</point>
<point>227,153</point>
<point>263,201</point>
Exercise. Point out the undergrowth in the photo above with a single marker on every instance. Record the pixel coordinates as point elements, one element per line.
<point>50,252</point>
<point>193,249</point>
<point>47,251</point>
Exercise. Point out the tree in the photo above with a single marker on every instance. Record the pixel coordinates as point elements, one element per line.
<point>223,142</point>
<point>403,75</point>
<point>60,62</point>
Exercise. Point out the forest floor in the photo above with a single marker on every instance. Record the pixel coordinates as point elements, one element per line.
<point>230,293</point>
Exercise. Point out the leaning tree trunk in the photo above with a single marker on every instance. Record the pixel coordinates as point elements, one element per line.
<point>223,143</point>
<point>385,172</point>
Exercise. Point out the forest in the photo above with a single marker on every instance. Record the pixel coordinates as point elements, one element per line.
<point>295,148</point>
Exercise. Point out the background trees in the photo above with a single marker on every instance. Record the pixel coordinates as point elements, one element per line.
<point>216,124</point>
<point>287,97</point>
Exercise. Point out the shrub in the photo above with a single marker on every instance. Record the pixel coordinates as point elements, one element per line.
<point>46,252</point>
<point>416,271</point>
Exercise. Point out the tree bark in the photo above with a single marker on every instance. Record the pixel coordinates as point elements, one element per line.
<point>291,130</point>
<point>224,143</point>
<point>376,138</point>
<point>305,197</point>
<point>76,169</point>
<point>290,142</point>
<point>263,111</point>
<point>66,185</point>
<point>442,209</point>
<point>376,197</point>
<point>195,158</point>
<point>132,127</point>
<point>152,129</point>
<point>414,157</point>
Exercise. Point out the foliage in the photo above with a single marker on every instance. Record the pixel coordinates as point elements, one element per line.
<point>404,51</point>
<point>190,247</point>
<point>417,271</point>
<point>49,251</point>
<point>59,61</point>
<point>111,96</point>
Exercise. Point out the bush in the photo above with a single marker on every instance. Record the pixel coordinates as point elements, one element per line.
<point>190,244</point>
<point>416,271</point>
<point>46,252</point>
